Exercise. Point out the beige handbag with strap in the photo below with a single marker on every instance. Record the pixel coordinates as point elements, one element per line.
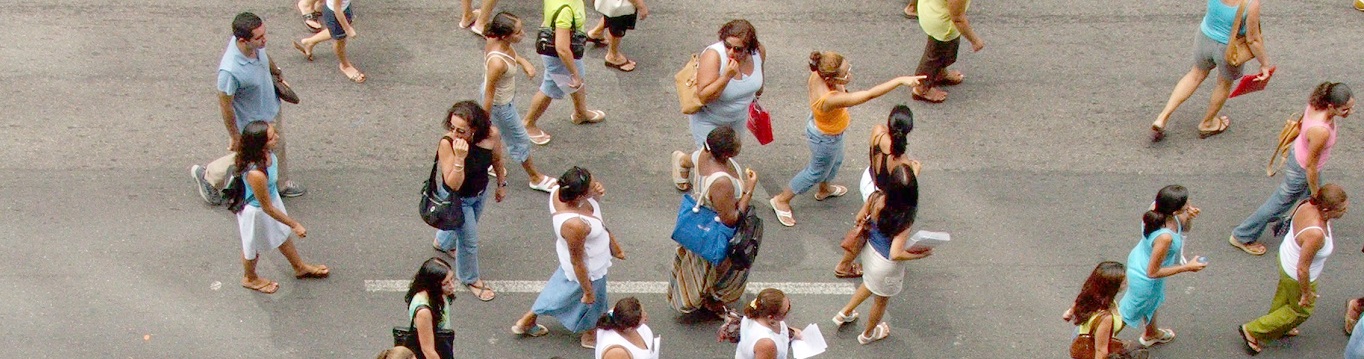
<point>1238,47</point>
<point>685,80</point>
<point>1287,136</point>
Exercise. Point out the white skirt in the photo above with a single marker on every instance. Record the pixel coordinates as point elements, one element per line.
<point>260,232</point>
<point>882,276</point>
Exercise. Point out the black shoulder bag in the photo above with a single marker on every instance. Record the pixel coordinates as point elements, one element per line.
<point>442,213</point>
<point>743,248</point>
<point>544,42</point>
<point>407,337</point>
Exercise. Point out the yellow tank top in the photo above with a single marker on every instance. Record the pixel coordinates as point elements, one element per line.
<point>831,122</point>
<point>936,20</point>
<point>1117,322</point>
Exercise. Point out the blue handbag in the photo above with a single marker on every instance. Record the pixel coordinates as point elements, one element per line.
<point>699,230</point>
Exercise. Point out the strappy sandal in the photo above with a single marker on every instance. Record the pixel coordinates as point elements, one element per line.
<point>1250,248</point>
<point>1223,125</point>
<point>880,332</point>
<point>679,174</point>
<point>854,271</point>
<point>480,290</point>
<point>1352,311</point>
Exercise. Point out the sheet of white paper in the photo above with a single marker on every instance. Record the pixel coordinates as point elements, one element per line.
<point>928,239</point>
<point>811,343</point>
<point>562,81</point>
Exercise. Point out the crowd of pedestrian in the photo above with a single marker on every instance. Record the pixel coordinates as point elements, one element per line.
<point>729,78</point>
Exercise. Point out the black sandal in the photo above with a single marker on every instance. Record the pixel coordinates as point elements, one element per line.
<point>314,18</point>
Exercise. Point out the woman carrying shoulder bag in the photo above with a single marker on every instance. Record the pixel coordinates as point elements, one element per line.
<point>1095,315</point>
<point>1210,51</point>
<point>433,280</point>
<point>729,77</point>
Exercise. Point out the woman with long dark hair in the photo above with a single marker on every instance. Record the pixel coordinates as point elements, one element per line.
<point>830,99</point>
<point>622,334</point>
<point>1096,310</point>
<point>262,219</point>
<point>1302,168</point>
<point>428,305</point>
<point>727,189</point>
<point>576,292</point>
<point>469,147</point>
<point>891,214</point>
<point>888,148</point>
<point>1156,257</point>
<point>762,331</point>
<point>1302,256</point>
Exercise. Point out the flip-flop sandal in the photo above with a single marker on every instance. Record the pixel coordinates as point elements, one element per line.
<point>546,184</point>
<point>540,139</point>
<point>317,272</point>
<point>305,52</point>
<point>856,272</point>
<point>597,41</point>
<point>953,77</point>
<point>924,97</point>
<point>1255,251</point>
<point>622,66</point>
<point>783,217</point>
<point>679,177</point>
<point>839,191</point>
<point>1166,336</point>
<point>479,290</point>
<point>1157,134</point>
<point>597,116</point>
<point>358,77</point>
<point>535,331</point>
<point>1251,348</point>
<point>309,20</point>
<point>1225,124</point>
<point>269,287</point>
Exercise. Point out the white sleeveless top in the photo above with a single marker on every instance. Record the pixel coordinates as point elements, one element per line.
<point>608,338</point>
<point>701,192</point>
<point>750,332</point>
<point>597,248</point>
<point>505,88</point>
<point>1289,252</point>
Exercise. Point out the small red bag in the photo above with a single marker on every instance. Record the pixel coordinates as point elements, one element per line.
<point>760,123</point>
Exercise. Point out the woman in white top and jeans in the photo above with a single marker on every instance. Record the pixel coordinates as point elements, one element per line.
<point>622,334</point>
<point>501,61</point>
<point>763,332</point>
<point>1301,258</point>
<point>576,292</point>
<point>728,78</point>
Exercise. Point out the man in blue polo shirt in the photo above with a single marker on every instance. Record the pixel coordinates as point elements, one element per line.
<point>246,92</point>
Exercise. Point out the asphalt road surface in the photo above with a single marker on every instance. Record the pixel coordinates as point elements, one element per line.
<point>1038,165</point>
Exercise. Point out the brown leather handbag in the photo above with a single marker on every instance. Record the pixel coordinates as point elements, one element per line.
<point>1083,346</point>
<point>1238,47</point>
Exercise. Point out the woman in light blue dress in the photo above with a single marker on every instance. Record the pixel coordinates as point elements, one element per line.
<point>1158,255</point>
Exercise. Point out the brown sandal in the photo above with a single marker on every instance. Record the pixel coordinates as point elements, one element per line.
<point>317,271</point>
<point>268,288</point>
<point>855,271</point>
<point>938,98</point>
<point>1223,126</point>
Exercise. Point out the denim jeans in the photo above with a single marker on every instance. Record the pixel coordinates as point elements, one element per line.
<point>1292,189</point>
<point>464,240</point>
<point>826,155</point>
<point>513,132</point>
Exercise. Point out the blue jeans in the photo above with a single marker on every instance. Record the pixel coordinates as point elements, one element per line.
<point>826,155</point>
<point>1354,349</point>
<point>464,240</point>
<point>1291,190</point>
<point>513,132</point>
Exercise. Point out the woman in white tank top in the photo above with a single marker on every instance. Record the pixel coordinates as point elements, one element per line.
<point>501,63</point>
<point>763,330</point>
<point>622,334</point>
<point>1301,258</point>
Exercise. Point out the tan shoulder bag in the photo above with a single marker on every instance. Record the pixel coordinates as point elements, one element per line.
<point>1238,47</point>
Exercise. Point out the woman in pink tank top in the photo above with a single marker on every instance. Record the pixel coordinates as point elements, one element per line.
<point>1303,168</point>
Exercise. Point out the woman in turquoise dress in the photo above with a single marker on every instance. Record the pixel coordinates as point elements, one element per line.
<point>1158,255</point>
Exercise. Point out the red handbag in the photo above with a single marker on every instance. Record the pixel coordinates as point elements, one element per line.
<point>760,123</point>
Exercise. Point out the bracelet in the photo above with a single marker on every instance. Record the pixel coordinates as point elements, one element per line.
<point>459,166</point>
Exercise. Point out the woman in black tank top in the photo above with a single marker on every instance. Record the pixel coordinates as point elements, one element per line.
<point>469,147</point>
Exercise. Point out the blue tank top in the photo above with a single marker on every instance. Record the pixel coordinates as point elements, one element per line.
<point>272,183</point>
<point>1218,20</point>
<point>878,240</point>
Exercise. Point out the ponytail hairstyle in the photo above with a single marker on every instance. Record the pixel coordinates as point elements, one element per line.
<point>574,183</point>
<point>627,314</point>
<point>1330,94</point>
<point>900,124</point>
<point>251,149</point>
<point>826,64</point>
<point>501,25</point>
<point>1329,197</point>
<point>770,302</point>
<point>1099,290</point>
<point>1169,200</point>
<point>901,202</point>
<point>722,143</point>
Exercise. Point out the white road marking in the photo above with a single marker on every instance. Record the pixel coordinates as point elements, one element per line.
<point>631,287</point>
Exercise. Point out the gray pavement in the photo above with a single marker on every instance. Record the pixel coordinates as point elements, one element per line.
<point>1038,165</point>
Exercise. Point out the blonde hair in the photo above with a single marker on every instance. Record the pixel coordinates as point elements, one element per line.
<point>826,64</point>
<point>398,352</point>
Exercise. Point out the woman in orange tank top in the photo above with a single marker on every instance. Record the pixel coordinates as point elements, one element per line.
<point>829,103</point>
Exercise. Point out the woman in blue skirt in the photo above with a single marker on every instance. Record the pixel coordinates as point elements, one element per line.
<point>1158,255</point>
<point>576,292</point>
